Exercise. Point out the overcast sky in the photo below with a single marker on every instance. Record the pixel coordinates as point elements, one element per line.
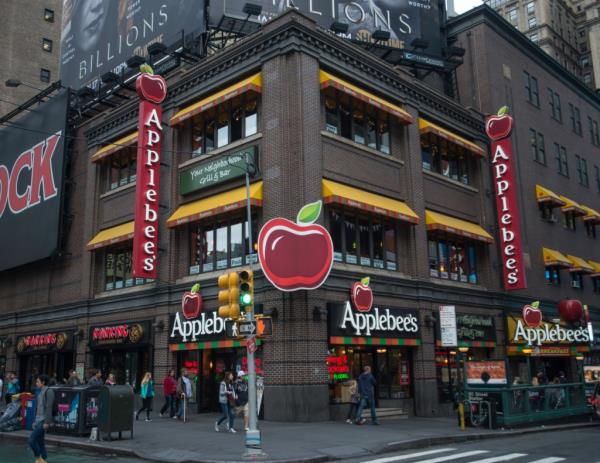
<point>464,5</point>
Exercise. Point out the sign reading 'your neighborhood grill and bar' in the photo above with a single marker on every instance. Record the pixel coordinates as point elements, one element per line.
<point>214,171</point>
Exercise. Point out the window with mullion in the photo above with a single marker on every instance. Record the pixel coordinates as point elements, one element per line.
<point>118,269</point>
<point>552,275</point>
<point>451,260</point>
<point>597,176</point>
<point>570,222</point>
<point>596,284</point>
<point>590,229</point>
<point>120,168</point>
<point>562,164</point>
<point>577,280</point>
<point>445,158</point>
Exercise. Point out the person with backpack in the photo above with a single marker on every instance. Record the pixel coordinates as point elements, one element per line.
<point>227,402</point>
<point>366,389</point>
<point>241,401</point>
<point>43,418</point>
<point>146,393</point>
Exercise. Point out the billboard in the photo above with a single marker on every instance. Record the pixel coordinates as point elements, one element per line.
<point>31,183</point>
<point>405,20</point>
<point>98,36</point>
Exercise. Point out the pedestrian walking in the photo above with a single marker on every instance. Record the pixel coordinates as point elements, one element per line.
<point>43,419</point>
<point>170,393</point>
<point>96,378</point>
<point>73,379</point>
<point>227,402</point>
<point>184,392</point>
<point>111,380</point>
<point>366,390</point>
<point>12,387</point>
<point>354,401</point>
<point>146,393</point>
<point>241,401</point>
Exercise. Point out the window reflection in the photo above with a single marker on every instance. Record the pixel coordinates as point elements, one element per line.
<point>445,158</point>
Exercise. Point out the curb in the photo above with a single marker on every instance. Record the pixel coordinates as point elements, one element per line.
<point>389,447</point>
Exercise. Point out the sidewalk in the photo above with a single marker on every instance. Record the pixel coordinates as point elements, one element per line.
<point>196,441</point>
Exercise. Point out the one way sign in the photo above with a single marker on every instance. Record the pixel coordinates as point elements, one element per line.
<point>247,328</point>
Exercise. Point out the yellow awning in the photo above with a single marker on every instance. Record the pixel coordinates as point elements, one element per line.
<point>554,258</point>
<point>429,127</point>
<point>579,265</point>
<point>596,266</point>
<point>591,215</point>
<point>572,206</point>
<point>454,226</point>
<point>252,83</point>
<point>115,146</point>
<point>544,195</point>
<point>334,192</point>
<point>111,235</point>
<point>329,80</point>
<point>217,204</point>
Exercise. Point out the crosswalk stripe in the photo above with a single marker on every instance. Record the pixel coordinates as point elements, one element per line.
<point>408,457</point>
<point>510,456</point>
<point>456,456</point>
<point>548,460</point>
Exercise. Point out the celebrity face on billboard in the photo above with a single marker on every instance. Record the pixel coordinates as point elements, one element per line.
<point>89,21</point>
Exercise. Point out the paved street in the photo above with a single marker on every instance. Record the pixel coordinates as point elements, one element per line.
<point>571,446</point>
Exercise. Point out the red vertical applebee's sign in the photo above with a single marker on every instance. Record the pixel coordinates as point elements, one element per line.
<point>498,129</point>
<point>152,90</point>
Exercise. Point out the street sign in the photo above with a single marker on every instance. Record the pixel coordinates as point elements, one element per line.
<point>247,328</point>
<point>448,326</point>
<point>251,344</point>
<point>262,326</point>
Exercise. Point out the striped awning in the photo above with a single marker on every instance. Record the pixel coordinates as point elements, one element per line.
<point>114,146</point>
<point>454,226</point>
<point>372,341</point>
<point>329,80</point>
<point>429,127</point>
<point>112,235</point>
<point>250,84</point>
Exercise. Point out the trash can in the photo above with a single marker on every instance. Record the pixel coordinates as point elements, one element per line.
<point>116,411</point>
<point>28,409</point>
<point>75,409</point>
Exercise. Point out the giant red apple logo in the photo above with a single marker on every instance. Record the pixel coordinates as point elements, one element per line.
<point>499,126</point>
<point>297,255</point>
<point>191,303</point>
<point>532,315</point>
<point>150,87</point>
<point>570,310</point>
<point>362,295</point>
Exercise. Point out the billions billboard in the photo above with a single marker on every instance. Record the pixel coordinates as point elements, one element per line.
<point>405,20</point>
<point>31,183</point>
<point>98,36</point>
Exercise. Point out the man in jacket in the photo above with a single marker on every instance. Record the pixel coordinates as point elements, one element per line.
<point>366,389</point>
<point>43,418</point>
<point>241,401</point>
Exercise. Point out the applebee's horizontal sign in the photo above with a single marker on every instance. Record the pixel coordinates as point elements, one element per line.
<point>207,327</point>
<point>345,320</point>
<point>545,333</point>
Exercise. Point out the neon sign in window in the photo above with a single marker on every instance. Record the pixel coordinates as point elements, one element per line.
<point>337,366</point>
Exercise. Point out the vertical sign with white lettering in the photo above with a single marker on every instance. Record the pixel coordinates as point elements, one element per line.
<point>498,129</point>
<point>152,91</point>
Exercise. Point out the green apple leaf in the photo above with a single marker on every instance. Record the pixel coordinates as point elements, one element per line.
<point>365,281</point>
<point>196,288</point>
<point>309,213</point>
<point>503,110</point>
<point>146,69</point>
<point>535,304</point>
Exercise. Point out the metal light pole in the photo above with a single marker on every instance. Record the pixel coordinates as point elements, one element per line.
<point>253,440</point>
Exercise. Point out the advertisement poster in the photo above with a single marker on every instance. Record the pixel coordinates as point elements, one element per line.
<point>448,326</point>
<point>31,183</point>
<point>405,20</point>
<point>486,372</point>
<point>99,36</point>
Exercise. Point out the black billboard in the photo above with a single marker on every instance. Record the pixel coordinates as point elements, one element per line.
<point>99,36</point>
<point>31,183</point>
<point>405,20</point>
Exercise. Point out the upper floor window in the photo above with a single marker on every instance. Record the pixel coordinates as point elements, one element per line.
<point>553,276</point>
<point>594,134</point>
<point>569,221</point>
<point>575,119</point>
<point>560,154</point>
<point>555,108</point>
<point>120,168</point>
<point>513,16</point>
<point>118,269</point>
<point>443,157</point>
<point>538,147</point>
<point>532,90</point>
<point>534,37</point>
<point>47,45</point>
<point>230,121</point>
<point>452,260</point>
<point>48,15</point>
<point>597,178</point>
<point>590,229</point>
<point>45,75</point>
<point>582,171</point>
<point>218,244</point>
<point>356,120</point>
<point>577,280</point>
<point>367,240</point>
<point>530,7</point>
<point>531,22</point>
<point>596,284</point>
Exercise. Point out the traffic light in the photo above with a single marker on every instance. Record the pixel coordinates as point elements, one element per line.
<point>229,296</point>
<point>246,278</point>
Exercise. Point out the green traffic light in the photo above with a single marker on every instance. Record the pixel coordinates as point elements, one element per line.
<point>246,298</point>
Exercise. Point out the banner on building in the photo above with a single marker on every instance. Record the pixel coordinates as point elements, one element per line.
<point>31,183</point>
<point>99,36</point>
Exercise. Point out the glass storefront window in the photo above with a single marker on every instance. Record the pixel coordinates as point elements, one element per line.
<point>452,260</point>
<point>445,158</point>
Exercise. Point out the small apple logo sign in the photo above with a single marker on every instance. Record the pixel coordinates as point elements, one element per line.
<point>298,255</point>
<point>532,315</point>
<point>570,310</point>
<point>362,295</point>
<point>499,126</point>
<point>150,87</point>
<point>191,303</point>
